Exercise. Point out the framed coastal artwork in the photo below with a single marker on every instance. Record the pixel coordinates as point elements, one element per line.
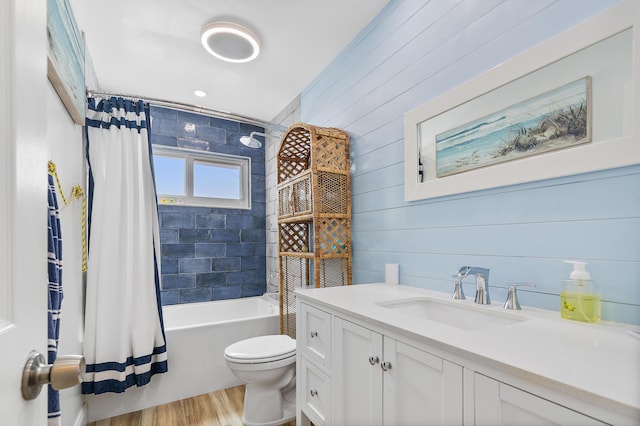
<point>565,107</point>
<point>553,120</point>
<point>65,64</point>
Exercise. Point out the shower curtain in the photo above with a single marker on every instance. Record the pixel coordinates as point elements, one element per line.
<point>124,334</point>
<point>54,267</point>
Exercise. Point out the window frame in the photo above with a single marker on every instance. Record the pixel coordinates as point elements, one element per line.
<point>208,158</point>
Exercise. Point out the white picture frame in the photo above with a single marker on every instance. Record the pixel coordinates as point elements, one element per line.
<point>609,37</point>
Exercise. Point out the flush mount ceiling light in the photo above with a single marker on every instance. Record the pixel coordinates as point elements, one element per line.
<point>200,93</point>
<point>230,42</point>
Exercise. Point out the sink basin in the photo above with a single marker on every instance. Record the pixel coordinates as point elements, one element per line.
<point>467,317</point>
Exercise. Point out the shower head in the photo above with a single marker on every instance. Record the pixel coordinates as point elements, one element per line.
<point>251,141</point>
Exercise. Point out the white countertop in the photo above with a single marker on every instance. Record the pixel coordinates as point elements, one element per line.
<point>595,362</point>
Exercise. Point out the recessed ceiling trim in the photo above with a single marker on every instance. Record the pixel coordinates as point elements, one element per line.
<point>230,42</point>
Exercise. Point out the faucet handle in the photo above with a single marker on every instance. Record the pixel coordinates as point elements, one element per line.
<point>512,295</point>
<point>458,292</point>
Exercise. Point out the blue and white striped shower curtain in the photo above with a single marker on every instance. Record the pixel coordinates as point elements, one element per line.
<point>124,334</point>
<point>54,263</point>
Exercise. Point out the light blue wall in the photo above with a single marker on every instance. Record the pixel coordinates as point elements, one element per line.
<point>416,50</point>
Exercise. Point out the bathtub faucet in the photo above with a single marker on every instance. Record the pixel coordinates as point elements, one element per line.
<point>482,283</point>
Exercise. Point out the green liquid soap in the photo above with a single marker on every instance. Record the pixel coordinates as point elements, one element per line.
<point>579,306</point>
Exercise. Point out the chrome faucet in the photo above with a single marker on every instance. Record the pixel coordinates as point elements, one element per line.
<point>482,283</point>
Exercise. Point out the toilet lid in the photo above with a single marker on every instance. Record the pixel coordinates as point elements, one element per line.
<point>262,349</point>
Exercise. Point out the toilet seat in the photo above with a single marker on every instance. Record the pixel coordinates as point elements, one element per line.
<point>261,349</point>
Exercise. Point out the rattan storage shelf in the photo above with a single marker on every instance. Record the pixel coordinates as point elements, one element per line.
<point>314,213</point>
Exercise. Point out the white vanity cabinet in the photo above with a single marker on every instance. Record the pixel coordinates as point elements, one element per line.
<point>381,380</point>
<point>371,378</point>
<point>361,363</point>
<point>498,404</point>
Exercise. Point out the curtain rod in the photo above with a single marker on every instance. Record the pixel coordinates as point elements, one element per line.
<point>194,108</point>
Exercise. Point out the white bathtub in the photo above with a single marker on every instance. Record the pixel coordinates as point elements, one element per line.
<point>196,334</point>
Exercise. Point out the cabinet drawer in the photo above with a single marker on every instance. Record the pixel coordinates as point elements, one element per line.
<point>314,393</point>
<point>314,337</point>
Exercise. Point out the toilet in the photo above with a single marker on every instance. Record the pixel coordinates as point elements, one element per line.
<point>267,365</point>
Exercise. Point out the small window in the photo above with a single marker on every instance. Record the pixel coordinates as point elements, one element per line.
<point>216,180</point>
<point>196,178</point>
<point>170,176</point>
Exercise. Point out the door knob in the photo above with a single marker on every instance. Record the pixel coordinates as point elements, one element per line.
<point>66,371</point>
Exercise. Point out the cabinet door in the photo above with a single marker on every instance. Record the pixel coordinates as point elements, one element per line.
<point>420,388</point>
<point>499,404</point>
<point>357,379</point>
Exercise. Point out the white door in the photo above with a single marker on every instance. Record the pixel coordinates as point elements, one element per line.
<point>357,375</point>
<point>498,404</point>
<point>420,388</point>
<point>23,203</point>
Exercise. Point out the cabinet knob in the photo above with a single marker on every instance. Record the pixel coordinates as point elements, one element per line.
<point>314,334</point>
<point>313,392</point>
<point>386,366</point>
<point>373,360</point>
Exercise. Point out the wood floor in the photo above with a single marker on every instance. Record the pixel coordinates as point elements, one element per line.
<point>221,408</point>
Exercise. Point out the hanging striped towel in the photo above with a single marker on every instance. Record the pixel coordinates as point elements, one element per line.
<point>55,295</point>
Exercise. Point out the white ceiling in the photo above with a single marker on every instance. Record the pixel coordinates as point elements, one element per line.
<point>151,48</point>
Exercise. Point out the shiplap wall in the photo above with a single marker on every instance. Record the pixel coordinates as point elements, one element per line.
<point>416,50</point>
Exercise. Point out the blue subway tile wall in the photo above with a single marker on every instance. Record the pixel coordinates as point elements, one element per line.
<point>211,253</point>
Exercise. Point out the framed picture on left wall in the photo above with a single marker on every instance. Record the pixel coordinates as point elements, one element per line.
<point>65,64</point>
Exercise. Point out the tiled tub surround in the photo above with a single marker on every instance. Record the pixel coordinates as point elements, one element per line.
<point>211,253</point>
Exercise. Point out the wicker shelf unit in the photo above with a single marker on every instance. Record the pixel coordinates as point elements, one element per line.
<point>314,213</point>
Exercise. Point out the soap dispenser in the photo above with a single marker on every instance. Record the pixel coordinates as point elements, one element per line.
<point>579,300</point>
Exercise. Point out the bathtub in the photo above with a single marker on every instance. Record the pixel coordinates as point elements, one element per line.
<point>196,335</point>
